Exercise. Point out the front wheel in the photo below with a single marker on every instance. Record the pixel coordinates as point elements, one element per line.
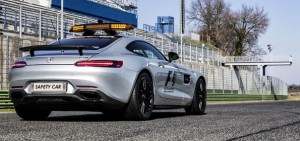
<point>141,102</point>
<point>31,113</point>
<point>198,105</point>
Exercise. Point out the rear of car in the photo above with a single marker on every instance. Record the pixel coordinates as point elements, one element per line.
<point>62,79</point>
<point>117,75</point>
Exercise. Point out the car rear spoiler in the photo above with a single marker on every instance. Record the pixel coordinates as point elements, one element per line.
<point>32,49</point>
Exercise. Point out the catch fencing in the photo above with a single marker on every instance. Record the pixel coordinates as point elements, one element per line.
<point>26,24</point>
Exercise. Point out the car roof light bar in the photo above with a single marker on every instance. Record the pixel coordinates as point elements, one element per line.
<point>101,26</point>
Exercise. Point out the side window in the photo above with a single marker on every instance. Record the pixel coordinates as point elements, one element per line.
<point>150,54</point>
<point>136,48</point>
<point>145,49</point>
<point>139,52</point>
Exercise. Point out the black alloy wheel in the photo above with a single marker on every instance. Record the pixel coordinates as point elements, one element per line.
<point>141,103</point>
<point>198,105</point>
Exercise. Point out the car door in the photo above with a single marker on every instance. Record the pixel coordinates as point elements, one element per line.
<point>166,83</point>
<point>166,86</point>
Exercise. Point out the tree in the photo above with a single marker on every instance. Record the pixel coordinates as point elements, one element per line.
<point>235,32</point>
<point>207,16</point>
<point>293,88</point>
<point>246,25</point>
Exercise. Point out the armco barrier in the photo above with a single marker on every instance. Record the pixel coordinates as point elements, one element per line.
<point>5,102</point>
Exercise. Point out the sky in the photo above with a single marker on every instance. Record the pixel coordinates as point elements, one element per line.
<point>283,32</point>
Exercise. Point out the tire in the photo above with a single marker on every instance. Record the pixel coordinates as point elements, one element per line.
<point>198,105</point>
<point>31,113</point>
<point>140,105</point>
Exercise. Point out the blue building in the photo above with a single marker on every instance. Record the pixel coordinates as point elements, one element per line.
<point>108,10</point>
<point>165,24</point>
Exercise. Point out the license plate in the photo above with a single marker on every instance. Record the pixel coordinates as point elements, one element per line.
<point>49,87</point>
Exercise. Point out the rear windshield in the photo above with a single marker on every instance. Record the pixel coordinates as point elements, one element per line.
<point>99,42</point>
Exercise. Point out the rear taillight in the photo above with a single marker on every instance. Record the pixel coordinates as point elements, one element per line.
<point>19,64</point>
<point>100,63</point>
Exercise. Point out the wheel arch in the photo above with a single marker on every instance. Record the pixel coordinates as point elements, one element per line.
<point>144,70</point>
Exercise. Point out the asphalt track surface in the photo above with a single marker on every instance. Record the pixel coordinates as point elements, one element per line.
<point>278,121</point>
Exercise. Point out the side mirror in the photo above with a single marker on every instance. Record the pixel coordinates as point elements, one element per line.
<point>172,56</point>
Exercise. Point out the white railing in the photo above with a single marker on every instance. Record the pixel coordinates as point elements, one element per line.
<point>254,59</point>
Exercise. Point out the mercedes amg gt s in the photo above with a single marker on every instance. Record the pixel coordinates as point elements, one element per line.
<point>117,75</point>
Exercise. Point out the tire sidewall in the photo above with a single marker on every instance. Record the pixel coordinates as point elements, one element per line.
<point>204,96</point>
<point>134,104</point>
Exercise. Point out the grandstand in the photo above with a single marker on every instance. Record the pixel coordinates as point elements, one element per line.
<point>24,23</point>
<point>125,5</point>
<point>105,10</point>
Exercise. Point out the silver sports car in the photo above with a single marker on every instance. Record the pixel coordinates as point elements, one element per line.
<point>117,75</point>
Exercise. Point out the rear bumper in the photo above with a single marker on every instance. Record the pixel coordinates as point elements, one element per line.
<point>87,100</point>
<point>115,83</point>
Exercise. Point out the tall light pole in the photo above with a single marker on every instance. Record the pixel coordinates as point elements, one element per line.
<point>182,23</point>
<point>270,58</point>
<point>62,19</point>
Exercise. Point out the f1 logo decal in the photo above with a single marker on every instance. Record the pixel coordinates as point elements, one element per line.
<point>171,78</point>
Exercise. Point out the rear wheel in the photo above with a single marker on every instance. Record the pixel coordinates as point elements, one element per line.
<point>141,102</point>
<point>198,105</point>
<point>31,113</point>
